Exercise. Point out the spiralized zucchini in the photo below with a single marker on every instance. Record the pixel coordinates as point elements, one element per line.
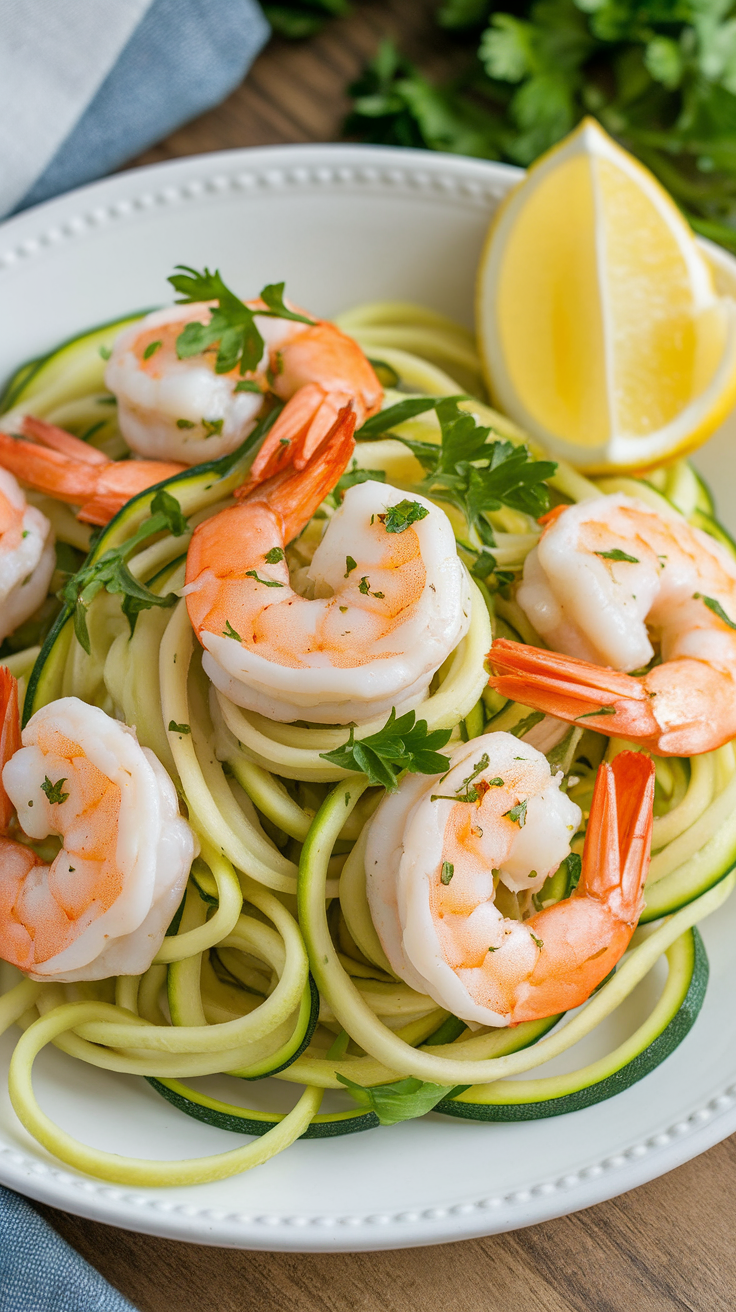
<point>273,967</point>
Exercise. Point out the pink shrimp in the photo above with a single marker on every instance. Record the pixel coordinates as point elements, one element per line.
<point>437,850</point>
<point>67,469</point>
<point>102,906</point>
<point>390,602</point>
<point>607,577</point>
<point>181,408</point>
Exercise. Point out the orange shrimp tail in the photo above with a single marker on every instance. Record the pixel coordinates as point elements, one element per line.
<point>574,690</point>
<point>618,838</point>
<point>9,738</point>
<point>64,467</point>
<point>296,496</point>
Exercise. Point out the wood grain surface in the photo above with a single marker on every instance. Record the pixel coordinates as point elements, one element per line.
<point>668,1245</point>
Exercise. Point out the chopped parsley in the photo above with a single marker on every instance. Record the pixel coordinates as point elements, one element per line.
<point>178,728</point>
<point>185,423</point>
<point>350,565</point>
<point>447,872</point>
<point>517,814</point>
<point>151,349</point>
<point>716,607</point>
<point>229,632</point>
<point>399,517</point>
<point>602,710</point>
<point>212,427</point>
<point>54,791</point>
<point>273,556</point>
<point>268,583</point>
<point>617,554</point>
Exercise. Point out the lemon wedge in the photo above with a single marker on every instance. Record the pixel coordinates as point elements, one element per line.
<point>600,329</point>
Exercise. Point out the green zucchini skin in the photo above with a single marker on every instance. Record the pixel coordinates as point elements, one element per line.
<point>646,1061</point>
<point>23,384</point>
<point>326,1127</point>
<point>305,1040</point>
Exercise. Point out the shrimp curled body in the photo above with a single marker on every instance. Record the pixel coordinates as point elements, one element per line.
<point>27,557</point>
<point>437,850</point>
<point>609,578</point>
<point>103,905</point>
<point>387,607</point>
<point>181,409</point>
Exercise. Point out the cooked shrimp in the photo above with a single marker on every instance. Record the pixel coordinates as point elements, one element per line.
<point>182,410</point>
<point>388,606</point>
<point>27,557</point>
<point>69,470</point>
<point>102,906</point>
<point>438,849</point>
<point>608,578</point>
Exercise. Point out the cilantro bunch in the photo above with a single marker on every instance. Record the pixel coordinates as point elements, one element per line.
<point>659,75</point>
<point>466,469</point>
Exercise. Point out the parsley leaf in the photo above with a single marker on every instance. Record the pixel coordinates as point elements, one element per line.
<point>111,572</point>
<point>617,554</point>
<point>716,607</point>
<point>229,632</point>
<point>472,473</point>
<point>268,583</point>
<point>399,517</point>
<point>54,791</point>
<point>517,814</point>
<point>231,327</point>
<point>402,744</point>
<point>273,556</point>
<point>446,872</point>
<point>179,728</point>
<point>402,1100</point>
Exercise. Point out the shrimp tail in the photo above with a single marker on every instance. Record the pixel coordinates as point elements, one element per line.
<point>61,465</point>
<point>9,738</point>
<point>296,495</point>
<point>619,834</point>
<point>577,691</point>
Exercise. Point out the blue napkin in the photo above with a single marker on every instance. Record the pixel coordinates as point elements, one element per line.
<point>39,1272</point>
<point>86,86</point>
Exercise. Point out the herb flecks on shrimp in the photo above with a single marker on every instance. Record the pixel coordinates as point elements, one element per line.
<point>103,905</point>
<point>387,610</point>
<point>433,871</point>
<point>601,613</point>
<point>27,558</point>
<point>204,388</point>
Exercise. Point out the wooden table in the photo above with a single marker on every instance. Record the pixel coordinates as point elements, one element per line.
<point>668,1245</point>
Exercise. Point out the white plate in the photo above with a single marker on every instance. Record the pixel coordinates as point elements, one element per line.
<point>341,224</point>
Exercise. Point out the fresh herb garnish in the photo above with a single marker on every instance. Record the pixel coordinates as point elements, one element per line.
<point>179,728</point>
<point>716,607</point>
<point>273,556</point>
<point>399,517</point>
<point>54,791</point>
<point>212,427</point>
<point>229,632</point>
<point>521,729</point>
<point>364,586</point>
<point>517,814</point>
<point>402,1100</point>
<point>151,349</point>
<point>602,710</point>
<point>105,352</point>
<point>617,554</point>
<point>268,583</point>
<point>539,941</point>
<point>355,476</point>
<point>350,565</point>
<point>574,865</point>
<point>232,325</point>
<point>466,469</point>
<point>248,385</point>
<point>446,872</point>
<point>185,423</point>
<point>402,744</point>
<point>111,572</point>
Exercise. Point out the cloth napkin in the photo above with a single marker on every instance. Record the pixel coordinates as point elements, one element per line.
<point>39,1272</point>
<point>87,84</point>
<point>84,86</point>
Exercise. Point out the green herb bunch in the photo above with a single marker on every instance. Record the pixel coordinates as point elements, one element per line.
<point>659,75</point>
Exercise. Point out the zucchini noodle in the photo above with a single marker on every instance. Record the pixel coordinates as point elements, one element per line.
<point>273,966</point>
